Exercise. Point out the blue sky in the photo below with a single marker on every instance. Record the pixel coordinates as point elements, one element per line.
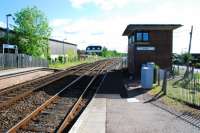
<point>102,22</point>
<point>52,8</point>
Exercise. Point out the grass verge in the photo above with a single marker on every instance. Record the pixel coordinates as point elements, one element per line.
<point>156,90</point>
<point>70,64</point>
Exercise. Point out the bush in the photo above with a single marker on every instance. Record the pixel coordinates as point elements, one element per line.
<point>60,59</point>
<point>197,65</point>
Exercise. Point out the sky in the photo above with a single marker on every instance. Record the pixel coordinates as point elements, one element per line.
<point>102,22</point>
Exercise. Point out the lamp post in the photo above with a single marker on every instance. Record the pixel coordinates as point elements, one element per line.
<point>7,27</point>
<point>7,34</point>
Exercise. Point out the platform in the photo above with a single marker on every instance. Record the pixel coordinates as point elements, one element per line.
<point>17,71</point>
<point>114,113</point>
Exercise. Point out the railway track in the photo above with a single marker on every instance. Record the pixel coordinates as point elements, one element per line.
<point>16,110</point>
<point>5,90</point>
<point>57,113</point>
<point>14,93</point>
<point>24,73</point>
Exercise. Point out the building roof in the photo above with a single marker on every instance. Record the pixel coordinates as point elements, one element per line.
<point>134,27</point>
<point>12,31</point>
<point>62,42</point>
<point>5,30</point>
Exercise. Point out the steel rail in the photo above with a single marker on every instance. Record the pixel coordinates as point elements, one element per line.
<point>29,91</point>
<point>77,106</point>
<point>22,73</point>
<point>24,122</point>
<point>5,90</point>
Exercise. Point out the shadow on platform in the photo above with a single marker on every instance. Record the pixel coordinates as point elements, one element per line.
<point>118,83</point>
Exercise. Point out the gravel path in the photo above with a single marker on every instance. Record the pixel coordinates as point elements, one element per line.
<point>10,116</point>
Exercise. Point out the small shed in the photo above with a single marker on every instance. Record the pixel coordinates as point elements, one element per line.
<point>149,43</point>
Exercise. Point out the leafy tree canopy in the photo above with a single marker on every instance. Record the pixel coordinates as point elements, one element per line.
<point>186,58</point>
<point>71,53</point>
<point>182,59</point>
<point>111,53</point>
<point>33,31</point>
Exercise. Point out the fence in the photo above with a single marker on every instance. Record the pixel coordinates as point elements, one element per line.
<point>9,60</point>
<point>185,87</point>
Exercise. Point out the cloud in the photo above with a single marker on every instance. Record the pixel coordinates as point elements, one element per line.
<point>103,4</point>
<point>72,32</point>
<point>2,24</point>
<point>97,33</point>
<point>107,30</point>
<point>59,22</point>
<point>89,31</point>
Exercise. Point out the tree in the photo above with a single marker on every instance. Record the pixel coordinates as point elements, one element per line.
<point>33,31</point>
<point>186,58</point>
<point>71,54</point>
<point>111,53</point>
<point>104,51</point>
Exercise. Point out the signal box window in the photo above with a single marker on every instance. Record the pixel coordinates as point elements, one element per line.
<point>142,36</point>
<point>131,39</point>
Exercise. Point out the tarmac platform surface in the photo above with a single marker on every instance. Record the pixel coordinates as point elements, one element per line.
<point>112,110</point>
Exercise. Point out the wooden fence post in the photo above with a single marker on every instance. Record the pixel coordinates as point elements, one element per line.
<point>164,85</point>
<point>158,77</point>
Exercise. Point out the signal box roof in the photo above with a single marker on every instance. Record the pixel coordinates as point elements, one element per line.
<point>138,27</point>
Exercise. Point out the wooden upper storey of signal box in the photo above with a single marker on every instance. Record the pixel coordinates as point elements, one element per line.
<point>130,29</point>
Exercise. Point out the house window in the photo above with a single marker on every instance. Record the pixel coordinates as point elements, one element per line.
<point>142,36</point>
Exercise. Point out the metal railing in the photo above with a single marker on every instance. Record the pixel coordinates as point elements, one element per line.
<point>184,87</point>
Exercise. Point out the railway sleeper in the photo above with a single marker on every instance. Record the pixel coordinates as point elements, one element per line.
<point>44,117</point>
<point>7,101</point>
<point>35,129</point>
<point>12,94</point>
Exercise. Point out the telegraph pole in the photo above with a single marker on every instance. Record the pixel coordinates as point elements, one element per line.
<point>189,49</point>
<point>190,42</point>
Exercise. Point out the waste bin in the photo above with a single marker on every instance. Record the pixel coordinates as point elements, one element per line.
<point>147,77</point>
<point>161,74</point>
<point>153,66</point>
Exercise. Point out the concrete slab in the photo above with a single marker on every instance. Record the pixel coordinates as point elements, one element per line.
<point>17,70</point>
<point>107,115</point>
<point>140,117</point>
<point>110,113</point>
<point>93,119</point>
